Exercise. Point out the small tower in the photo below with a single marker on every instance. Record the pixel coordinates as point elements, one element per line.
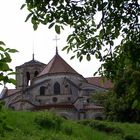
<point>26,72</point>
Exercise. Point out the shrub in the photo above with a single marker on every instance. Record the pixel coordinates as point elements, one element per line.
<point>3,124</point>
<point>49,120</point>
<point>102,126</point>
<point>130,137</point>
<point>67,129</point>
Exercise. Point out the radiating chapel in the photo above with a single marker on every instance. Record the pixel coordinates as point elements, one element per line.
<point>54,86</point>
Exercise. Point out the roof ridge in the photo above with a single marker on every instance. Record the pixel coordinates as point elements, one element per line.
<point>58,65</point>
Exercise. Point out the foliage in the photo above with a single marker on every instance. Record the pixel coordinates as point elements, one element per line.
<point>99,98</point>
<point>101,126</point>
<point>3,124</point>
<point>108,29</point>
<point>5,59</point>
<point>97,25</point>
<point>67,129</point>
<point>124,102</point>
<point>50,121</point>
<point>126,131</point>
<point>25,127</point>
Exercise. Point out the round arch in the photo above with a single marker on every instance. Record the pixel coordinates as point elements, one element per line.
<point>65,116</point>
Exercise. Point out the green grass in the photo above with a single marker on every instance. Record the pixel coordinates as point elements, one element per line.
<point>127,131</point>
<point>48,126</point>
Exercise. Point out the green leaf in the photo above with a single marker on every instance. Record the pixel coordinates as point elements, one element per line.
<point>88,57</point>
<point>1,77</point>
<point>4,66</point>
<point>65,48</point>
<point>23,5</point>
<point>62,27</point>
<point>95,73</point>
<point>35,26</point>
<point>51,25</point>
<point>1,49</point>
<point>2,43</point>
<point>11,73</point>
<point>7,49</point>
<point>72,57</point>
<point>13,81</point>
<point>27,18</point>
<point>12,50</point>
<point>57,29</point>
<point>81,58</point>
<point>135,104</point>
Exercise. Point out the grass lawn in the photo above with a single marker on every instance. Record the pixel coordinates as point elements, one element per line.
<point>48,126</point>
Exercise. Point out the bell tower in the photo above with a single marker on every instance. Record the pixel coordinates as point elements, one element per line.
<point>26,72</point>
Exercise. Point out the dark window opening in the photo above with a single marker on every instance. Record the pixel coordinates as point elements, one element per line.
<point>42,90</point>
<point>54,99</point>
<point>28,78</point>
<point>66,86</point>
<point>70,91</point>
<point>36,73</point>
<point>69,98</point>
<point>56,88</point>
<point>88,100</point>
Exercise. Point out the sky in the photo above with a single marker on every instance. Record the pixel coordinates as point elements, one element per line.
<point>20,35</point>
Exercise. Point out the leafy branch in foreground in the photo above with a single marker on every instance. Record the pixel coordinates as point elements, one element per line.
<point>96,25</point>
<point>5,59</point>
<point>107,29</point>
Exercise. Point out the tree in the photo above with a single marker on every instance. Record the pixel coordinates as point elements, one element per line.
<point>108,29</point>
<point>116,19</point>
<point>123,103</point>
<point>5,72</point>
<point>5,59</point>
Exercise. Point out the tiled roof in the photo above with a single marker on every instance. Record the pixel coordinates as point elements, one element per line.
<point>31,62</point>
<point>8,92</point>
<point>99,81</point>
<point>57,65</point>
<point>11,91</point>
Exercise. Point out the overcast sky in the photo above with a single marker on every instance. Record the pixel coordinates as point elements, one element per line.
<point>20,35</point>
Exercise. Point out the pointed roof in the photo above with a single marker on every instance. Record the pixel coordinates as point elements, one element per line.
<point>32,62</point>
<point>57,65</point>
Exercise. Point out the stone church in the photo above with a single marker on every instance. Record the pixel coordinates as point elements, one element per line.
<point>55,86</point>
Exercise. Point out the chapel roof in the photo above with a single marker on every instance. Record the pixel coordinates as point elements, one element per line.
<point>32,62</point>
<point>57,65</point>
<point>100,82</point>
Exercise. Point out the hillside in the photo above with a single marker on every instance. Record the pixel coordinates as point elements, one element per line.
<point>48,126</point>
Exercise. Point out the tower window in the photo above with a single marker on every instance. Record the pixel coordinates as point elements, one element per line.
<point>36,73</point>
<point>28,78</point>
<point>56,88</point>
<point>42,90</point>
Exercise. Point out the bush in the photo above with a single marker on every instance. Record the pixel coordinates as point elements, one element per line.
<point>3,124</point>
<point>102,126</point>
<point>49,120</point>
<point>67,129</point>
<point>130,137</point>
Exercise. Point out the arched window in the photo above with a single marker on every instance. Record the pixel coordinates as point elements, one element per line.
<point>42,90</point>
<point>28,78</point>
<point>36,73</point>
<point>56,88</point>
